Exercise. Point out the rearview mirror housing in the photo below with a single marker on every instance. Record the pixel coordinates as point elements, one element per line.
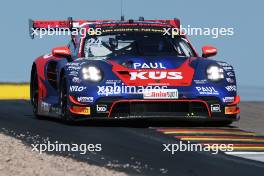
<point>62,51</point>
<point>208,51</point>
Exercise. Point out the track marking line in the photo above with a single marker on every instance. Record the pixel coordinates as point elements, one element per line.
<point>206,131</point>
<point>257,156</point>
<point>211,132</point>
<point>244,153</point>
<point>240,139</point>
<point>219,138</point>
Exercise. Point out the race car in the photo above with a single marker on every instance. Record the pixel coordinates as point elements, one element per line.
<point>127,69</point>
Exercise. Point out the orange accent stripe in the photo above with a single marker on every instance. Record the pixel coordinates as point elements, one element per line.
<point>237,111</point>
<point>200,130</point>
<point>216,137</point>
<point>220,138</point>
<point>80,110</point>
<point>249,148</point>
<point>246,147</point>
<point>212,132</point>
<point>236,145</point>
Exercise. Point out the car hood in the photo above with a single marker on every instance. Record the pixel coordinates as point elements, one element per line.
<point>151,62</point>
<point>153,70</point>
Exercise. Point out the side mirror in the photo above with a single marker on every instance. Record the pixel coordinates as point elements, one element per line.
<point>209,51</point>
<point>61,51</point>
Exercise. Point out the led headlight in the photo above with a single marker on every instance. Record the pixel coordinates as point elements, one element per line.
<point>92,73</point>
<point>215,73</point>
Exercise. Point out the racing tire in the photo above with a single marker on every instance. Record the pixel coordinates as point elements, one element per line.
<point>34,94</point>
<point>65,113</point>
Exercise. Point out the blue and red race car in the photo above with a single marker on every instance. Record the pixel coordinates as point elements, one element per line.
<point>130,69</point>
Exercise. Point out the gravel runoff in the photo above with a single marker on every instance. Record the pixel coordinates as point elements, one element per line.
<point>18,159</point>
<point>252,117</point>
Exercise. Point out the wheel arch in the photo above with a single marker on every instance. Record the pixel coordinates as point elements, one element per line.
<point>62,74</point>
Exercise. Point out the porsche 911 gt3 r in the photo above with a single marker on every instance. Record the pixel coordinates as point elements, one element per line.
<point>131,69</point>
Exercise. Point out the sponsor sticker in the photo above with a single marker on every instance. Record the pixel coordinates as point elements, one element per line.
<point>227,68</point>
<point>231,88</point>
<point>101,108</point>
<point>77,88</point>
<point>73,68</point>
<point>81,110</point>
<point>55,110</point>
<point>228,99</point>
<point>215,108</point>
<point>112,81</point>
<point>207,90</point>
<point>76,80</point>
<point>230,74</point>
<point>85,99</point>
<point>202,81</point>
<point>223,64</point>
<point>45,107</point>
<point>150,65</point>
<point>143,75</point>
<point>73,73</point>
<point>161,94</point>
<point>73,64</point>
<point>230,80</point>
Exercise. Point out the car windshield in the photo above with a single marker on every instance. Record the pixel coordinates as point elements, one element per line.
<point>136,44</point>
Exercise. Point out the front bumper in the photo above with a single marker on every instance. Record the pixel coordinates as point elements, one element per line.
<point>206,108</point>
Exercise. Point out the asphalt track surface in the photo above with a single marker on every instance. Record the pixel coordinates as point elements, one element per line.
<point>129,146</point>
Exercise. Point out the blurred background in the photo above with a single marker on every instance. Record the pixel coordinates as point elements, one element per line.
<point>242,50</point>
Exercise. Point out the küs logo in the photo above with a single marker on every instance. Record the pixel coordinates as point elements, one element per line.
<point>155,75</point>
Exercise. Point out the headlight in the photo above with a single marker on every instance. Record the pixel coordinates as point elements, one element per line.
<point>215,73</point>
<point>92,73</point>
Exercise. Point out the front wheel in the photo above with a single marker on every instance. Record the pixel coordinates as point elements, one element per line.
<point>34,93</point>
<point>64,101</point>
